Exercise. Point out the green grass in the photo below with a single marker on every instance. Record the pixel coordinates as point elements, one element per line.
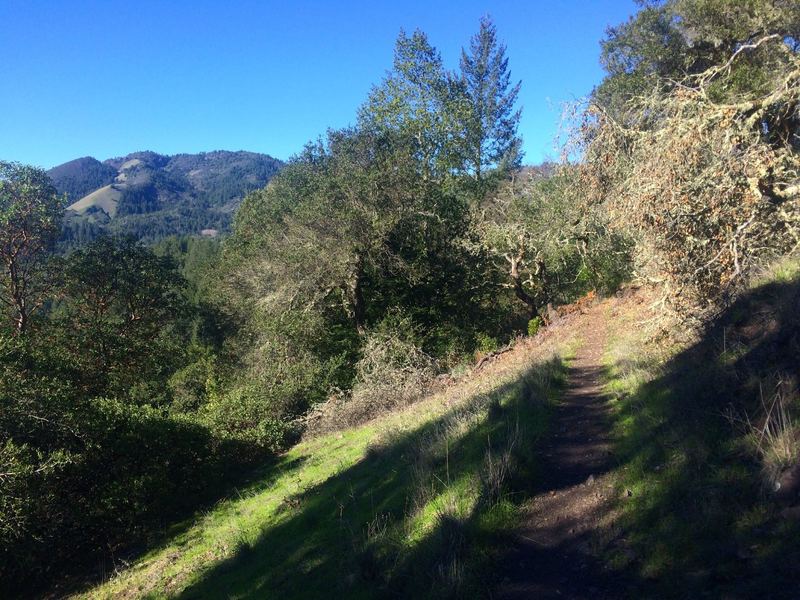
<point>697,517</point>
<point>418,504</point>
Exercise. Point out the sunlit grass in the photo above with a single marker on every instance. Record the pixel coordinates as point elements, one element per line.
<point>398,504</point>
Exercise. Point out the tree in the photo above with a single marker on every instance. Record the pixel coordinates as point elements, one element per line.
<point>419,99</point>
<point>703,169</point>
<point>30,214</point>
<point>121,307</point>
<point>311,237</point>
<point>549,246</point>
<point>490,120</point>
<point>669,40</point>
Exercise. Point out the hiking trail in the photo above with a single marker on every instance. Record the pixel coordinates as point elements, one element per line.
<point>554,554</point>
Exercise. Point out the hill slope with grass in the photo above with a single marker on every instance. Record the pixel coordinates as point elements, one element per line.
<point>608,455</point>
<point>416,501</point>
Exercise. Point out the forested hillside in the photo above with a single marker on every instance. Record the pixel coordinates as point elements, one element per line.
<point>379,384</point>
<point>150,196</point>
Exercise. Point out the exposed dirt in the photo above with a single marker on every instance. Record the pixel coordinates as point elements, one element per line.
<point>554,555</point>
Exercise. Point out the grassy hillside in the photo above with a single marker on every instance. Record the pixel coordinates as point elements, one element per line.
<point>708,436</point>
<point>416,502</point>
<point>106,199</point>
<point>423,502</point>
<point>81,176</point>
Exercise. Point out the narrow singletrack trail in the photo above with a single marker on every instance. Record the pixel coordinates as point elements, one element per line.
<point>554,555</point>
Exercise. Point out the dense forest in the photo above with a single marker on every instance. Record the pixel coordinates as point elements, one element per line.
<point>141,383</point>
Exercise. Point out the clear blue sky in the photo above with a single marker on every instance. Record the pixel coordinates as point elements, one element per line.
<point>102,78</point>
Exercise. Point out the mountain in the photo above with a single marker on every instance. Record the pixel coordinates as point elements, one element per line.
<point>152,196</point>
<point>81,176</point>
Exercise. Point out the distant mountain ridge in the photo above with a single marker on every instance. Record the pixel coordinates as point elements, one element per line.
<point>152,196</point>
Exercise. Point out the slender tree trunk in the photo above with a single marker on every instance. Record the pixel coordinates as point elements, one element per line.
<point>17,298</point>
<point>355,298</point>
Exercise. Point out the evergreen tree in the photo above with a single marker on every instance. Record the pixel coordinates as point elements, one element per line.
<point>489,138</point>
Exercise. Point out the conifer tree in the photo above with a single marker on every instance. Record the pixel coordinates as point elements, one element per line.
<point>489,138</point>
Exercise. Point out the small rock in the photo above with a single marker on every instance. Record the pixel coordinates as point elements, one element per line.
<point>628,493</point>
<point>590,480</point>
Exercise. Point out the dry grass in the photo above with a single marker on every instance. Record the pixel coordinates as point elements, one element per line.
<point>775,436</point>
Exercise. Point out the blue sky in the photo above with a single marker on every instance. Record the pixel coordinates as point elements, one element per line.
<point>102,78</point>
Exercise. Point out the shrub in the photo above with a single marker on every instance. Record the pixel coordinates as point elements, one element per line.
<point>707,186</point>
<point>486,343</point>
<point>253,413</point>
<point>534,325</point>
<point>393,371</point>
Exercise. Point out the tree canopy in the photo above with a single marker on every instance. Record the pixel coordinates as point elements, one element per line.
<point>30,216</point>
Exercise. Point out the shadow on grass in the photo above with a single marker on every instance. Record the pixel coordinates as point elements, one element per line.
<point>700,522</point>
<point>358,534</point>
<point>162,520</point>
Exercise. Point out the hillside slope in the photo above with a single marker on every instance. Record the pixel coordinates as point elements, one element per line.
<point>416,502</point>
<point>152,196</point>
<point>612,455</point>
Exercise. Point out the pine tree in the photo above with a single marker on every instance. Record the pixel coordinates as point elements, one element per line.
<point>490,120</point>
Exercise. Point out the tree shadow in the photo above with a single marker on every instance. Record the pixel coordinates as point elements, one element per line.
<point>559,550</point>
<point>349,536</point>
<point>698,520</point>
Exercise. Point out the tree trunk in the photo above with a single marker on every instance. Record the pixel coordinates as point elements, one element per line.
<point>355,298</point>
<point>18,303</point>
<point>519,289</point>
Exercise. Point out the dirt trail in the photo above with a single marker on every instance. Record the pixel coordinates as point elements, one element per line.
<point>553,557</point>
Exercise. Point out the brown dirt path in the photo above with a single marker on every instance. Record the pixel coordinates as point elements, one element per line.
<point>554,555</point>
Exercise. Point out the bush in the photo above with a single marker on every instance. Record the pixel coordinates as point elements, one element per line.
<point>392,372</point>
<point>708,188</point>
<point>255,414</point>
<point>486,343</point>
<point>138,470</point>
<point>534,325</point>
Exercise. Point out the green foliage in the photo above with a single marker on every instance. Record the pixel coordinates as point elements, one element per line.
<point>30,213</point>
<point>549,247</point>
<point>668,40</point>
<point>486,343</point>
<point>120,311</point>
<point>89,464</point>
<point>534,325</point>
<point>419,100</point>
<point>463,123</point>
<point>489,138</point>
